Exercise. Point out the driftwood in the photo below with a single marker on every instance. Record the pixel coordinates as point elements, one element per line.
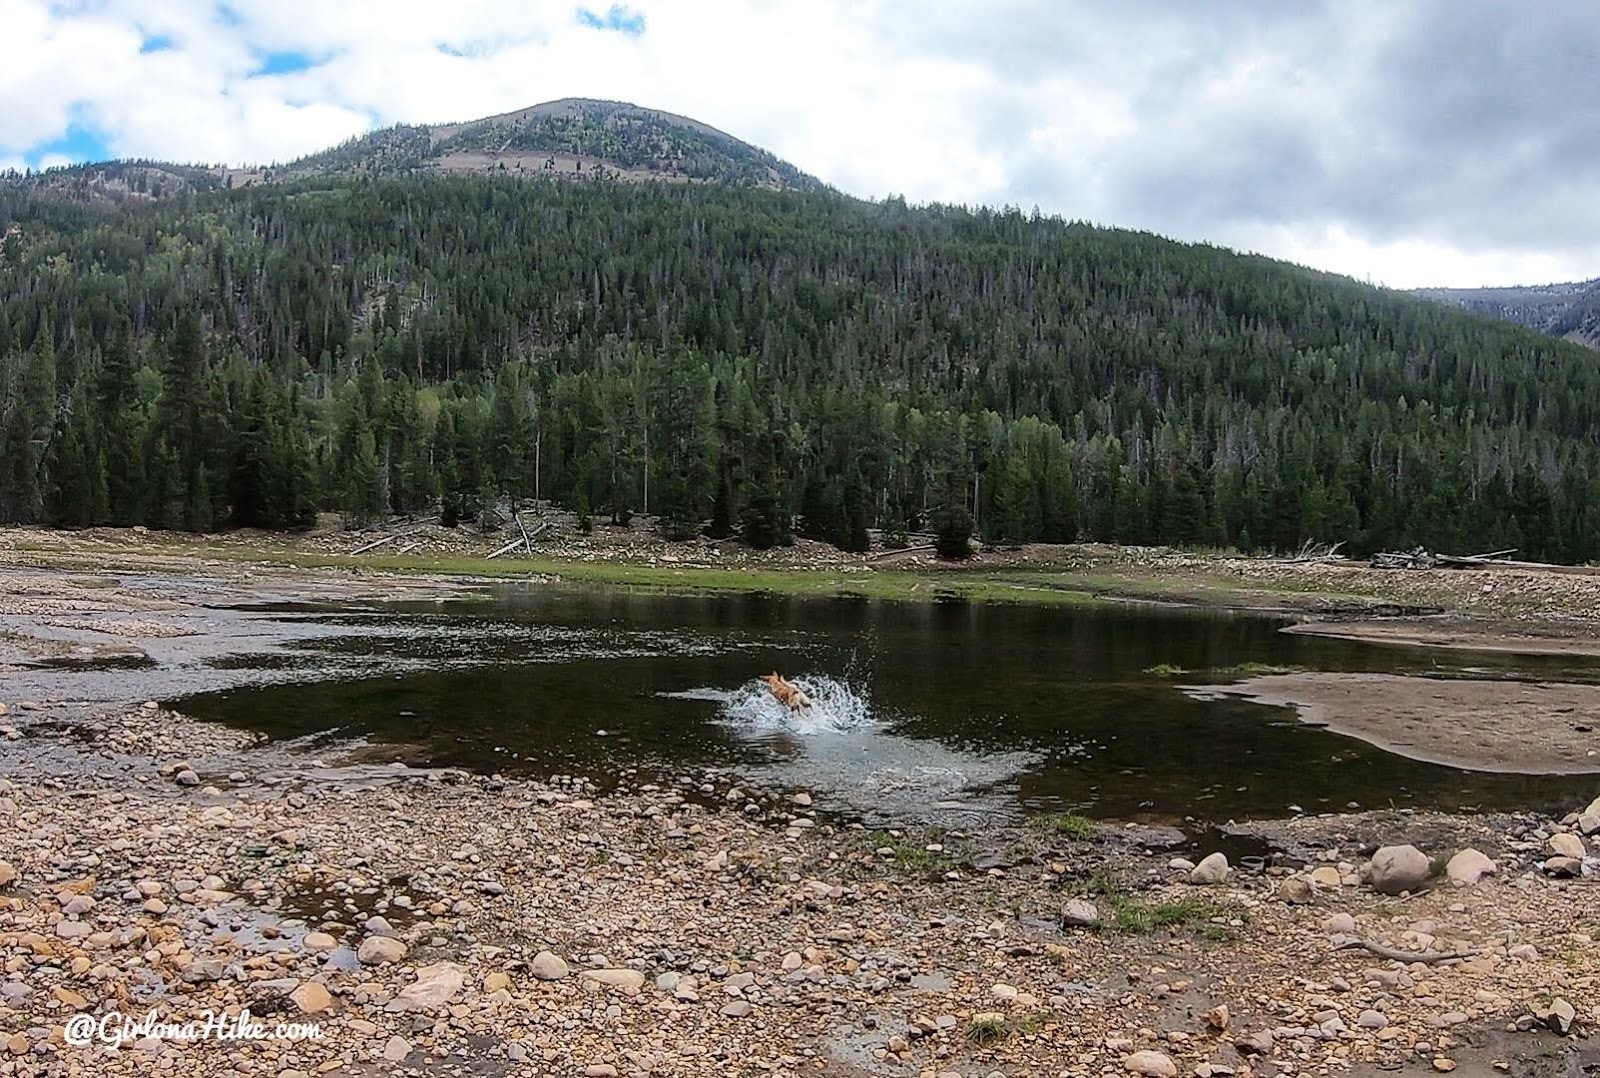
<point>518,541</point>
<point>900,550</point>
<point>1425,957</point>
<point>1471,561</point>
<point>1314,551</point>
<point>408,548</point>
<point>377,543</point>
<point>1422,558</point>
<point>525,540</point>
<point>1408,559</point>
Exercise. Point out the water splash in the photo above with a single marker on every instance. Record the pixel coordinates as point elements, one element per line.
<point>836,706</point>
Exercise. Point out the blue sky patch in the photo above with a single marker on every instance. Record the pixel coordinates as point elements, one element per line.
<point>623,20</point>
<point>283,63</point>
<point>157,43</point>
<point>81,143</point>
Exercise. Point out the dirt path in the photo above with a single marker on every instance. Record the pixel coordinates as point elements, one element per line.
<point>1505,726</point>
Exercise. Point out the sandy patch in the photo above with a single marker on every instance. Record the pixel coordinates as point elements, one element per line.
<point>1533,728</point>
<point>1453,633</point>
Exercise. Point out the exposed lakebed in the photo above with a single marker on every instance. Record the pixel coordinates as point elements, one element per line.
<point>926,711</point>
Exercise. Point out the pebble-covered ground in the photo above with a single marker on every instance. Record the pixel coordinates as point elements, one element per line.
<point>439,923</point>
<point>434,922</point>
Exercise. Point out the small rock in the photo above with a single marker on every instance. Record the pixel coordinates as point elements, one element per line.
<point>1565,845</point>
<point>1297,891</point>
<point>548,966</point>
<point>497,980</point>
<point>380,950</point>
<point>1563,867</point>
<point>1217,1017</point>
<point>1339,924</point>
<point>1080,913</point>
<point>8,874</point>
<point>311,998</point>
<point>1399,868</point>
<point>616,978</point>
<point>396,1049</point>
<point>1468,867</point>
<point>1443,1064</point>
<point>736,1009</point>
<point>1258,1044</point>
<point>317,942</point>
<point>600,1070</point>
<point>186,778</point>
<point>436,985</point>
<point>1213,868</point>
<point>1151,1064</point>
<point>1558,1016</point>
<point>1370,1019</point>
<point>1327,877</point>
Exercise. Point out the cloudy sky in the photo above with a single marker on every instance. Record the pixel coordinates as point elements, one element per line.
<point>1411,142</point>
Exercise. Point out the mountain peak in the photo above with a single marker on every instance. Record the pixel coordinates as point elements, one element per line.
<point>569,138</point>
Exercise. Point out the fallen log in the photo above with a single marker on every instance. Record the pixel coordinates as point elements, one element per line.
<point>900,550</point>
<point>1427,958</point>
<point>1472,561</point>
<point>376,543</point>
<point>518,541</point>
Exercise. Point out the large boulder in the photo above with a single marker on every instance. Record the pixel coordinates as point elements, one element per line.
<point>1395,869</point>
<point>1468,867</point>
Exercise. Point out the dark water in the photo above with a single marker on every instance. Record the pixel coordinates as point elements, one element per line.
<point>929,708</point>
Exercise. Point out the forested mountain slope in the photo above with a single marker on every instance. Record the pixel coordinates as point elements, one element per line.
<point>423,344</point>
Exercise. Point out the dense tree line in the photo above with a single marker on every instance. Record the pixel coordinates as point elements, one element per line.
<point>743,361</point>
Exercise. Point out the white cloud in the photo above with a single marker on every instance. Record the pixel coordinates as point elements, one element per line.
<point>1340,134</point>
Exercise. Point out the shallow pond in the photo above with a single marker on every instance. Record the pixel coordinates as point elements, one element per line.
<point>925,710</point>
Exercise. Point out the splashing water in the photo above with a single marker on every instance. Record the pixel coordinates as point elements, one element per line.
<point>835,706</point>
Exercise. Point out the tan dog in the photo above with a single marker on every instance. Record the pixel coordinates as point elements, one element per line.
<point>788,693</point>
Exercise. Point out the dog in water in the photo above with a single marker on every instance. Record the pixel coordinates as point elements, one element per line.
<point>786,692</point>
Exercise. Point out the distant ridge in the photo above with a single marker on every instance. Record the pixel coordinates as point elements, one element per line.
<point>1570,310</point>
<point>572,138</point>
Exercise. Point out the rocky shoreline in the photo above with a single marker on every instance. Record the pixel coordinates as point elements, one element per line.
<point>439,922</point>
<point>434,921</point>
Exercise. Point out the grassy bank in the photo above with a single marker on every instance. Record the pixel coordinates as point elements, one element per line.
<point>1059,576</point>
<point>1050,585</point>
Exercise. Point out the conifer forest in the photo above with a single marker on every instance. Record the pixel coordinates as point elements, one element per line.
<point>755,363</point>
